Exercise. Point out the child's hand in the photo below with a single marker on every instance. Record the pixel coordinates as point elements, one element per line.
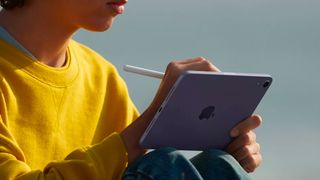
<point>173,71</point>
<point>244,147</point>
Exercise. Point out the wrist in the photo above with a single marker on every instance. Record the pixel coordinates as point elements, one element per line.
<point>132,134</point>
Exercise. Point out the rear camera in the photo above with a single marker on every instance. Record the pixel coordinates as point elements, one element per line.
<point>266,84</point>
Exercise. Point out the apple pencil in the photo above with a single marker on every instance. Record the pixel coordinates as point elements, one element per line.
<point>143,71</point>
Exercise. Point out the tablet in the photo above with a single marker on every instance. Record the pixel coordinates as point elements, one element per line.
<point>201,109</point>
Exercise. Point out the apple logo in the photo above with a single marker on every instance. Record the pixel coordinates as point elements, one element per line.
<point>207,113</point>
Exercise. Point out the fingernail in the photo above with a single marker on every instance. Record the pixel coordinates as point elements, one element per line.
<point>234,132</point>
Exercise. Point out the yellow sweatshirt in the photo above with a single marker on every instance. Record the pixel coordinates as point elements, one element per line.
<point>62,123</point>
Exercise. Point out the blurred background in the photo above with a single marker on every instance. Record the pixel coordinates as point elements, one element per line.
<point>278,37</point>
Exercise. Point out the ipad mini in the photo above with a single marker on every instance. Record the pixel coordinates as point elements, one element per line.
<point>202,108</point>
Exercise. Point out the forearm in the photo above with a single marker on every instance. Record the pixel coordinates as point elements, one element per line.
<point>131,136</point>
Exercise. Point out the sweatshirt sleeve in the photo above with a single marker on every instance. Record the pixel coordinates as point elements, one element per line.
<point>105,160</point>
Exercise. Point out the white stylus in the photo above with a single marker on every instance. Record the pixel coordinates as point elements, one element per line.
<point>143,71</point>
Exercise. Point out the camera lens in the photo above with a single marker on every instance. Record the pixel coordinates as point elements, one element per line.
<point>266,84</point>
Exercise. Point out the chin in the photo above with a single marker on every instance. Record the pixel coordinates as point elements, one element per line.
<point>99,29</point>
<point>99,26</point>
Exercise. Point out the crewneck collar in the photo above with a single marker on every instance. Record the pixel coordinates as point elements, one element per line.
<point>54,76</point>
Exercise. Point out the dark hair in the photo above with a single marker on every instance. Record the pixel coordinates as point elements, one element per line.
<point>10,4</point>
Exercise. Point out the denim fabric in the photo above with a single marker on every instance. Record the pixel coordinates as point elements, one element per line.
<point>169,164</point>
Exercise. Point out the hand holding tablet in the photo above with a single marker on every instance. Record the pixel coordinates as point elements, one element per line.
<point>201,109</point>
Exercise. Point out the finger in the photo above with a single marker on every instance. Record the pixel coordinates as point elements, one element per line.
<point>251,162</point>
<point>241,141</point>
<point>246,125</point>
<point>175,68</point>
<point>181,65</point>
<point>203,65</point>
<point>192,60</point>
<point>246,151</point>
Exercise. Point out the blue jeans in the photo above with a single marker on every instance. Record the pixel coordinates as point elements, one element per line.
<point>169,164</point>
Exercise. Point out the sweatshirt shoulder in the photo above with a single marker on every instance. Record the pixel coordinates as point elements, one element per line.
<point>87,56</point>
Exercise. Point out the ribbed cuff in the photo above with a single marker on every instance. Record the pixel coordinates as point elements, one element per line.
<point>111,156</point>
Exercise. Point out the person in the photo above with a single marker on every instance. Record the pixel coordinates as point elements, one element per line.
<point>65,113</point>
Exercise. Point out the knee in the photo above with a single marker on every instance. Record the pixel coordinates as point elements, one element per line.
<point>223,158</point>
<point>218,161</point>
<point>159,157</point>
<point>161,154</point>
<point>163,162</point>
<point>219,155</point>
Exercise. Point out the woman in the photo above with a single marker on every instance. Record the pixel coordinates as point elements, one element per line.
<point>65,112</point>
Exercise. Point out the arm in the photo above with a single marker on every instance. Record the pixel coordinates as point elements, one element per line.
<point>86,163</point>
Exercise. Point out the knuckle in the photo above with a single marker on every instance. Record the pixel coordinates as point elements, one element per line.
<point>250,169</point>
<point>258,147</point>
<point>207,63</point>
<point>247,138</point>
<point>209,66</point>
<point>250,163</point>
<point>246,150</point>
<point>172,64</point>
<point>251,160</point>
<point>201,58</point>
<point>174,69</point>
<point>253,166</point>
<point>259,160</point>
<point>253,136</point>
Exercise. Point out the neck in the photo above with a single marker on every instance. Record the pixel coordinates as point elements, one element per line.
<point>43,35</point>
